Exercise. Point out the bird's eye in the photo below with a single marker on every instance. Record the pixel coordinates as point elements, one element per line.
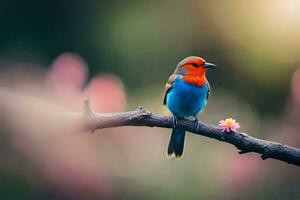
<point>195,64</point>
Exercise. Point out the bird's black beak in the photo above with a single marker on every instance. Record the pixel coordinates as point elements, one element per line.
<point>208,65</point>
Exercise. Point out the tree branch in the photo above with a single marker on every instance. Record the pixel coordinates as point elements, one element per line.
<point>241,141</point>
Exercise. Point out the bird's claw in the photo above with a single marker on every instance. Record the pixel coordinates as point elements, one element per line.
<point>197,124</point>
<point>174,122</point>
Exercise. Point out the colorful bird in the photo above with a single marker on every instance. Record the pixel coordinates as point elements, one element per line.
<point>186,94</point>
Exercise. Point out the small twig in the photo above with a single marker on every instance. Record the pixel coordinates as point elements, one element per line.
<point>241,141</point>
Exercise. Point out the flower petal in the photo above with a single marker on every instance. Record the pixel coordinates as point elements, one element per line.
<point>229,125</point>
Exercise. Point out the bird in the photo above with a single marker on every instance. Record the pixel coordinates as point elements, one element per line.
<point>186,94</point>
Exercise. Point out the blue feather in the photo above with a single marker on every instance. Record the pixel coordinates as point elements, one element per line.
<point>185,100</point>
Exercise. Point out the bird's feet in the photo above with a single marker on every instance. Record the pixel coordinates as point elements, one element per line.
<point>197,123</point>
<point>175,120</point>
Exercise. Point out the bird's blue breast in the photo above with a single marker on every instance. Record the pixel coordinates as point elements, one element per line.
<point>185,100</point>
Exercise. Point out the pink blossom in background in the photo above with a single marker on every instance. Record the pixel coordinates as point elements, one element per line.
<point>67,78</point>
<point>44,130</point>
<point>80,164</point>
<point>68,70</point>
<point>229,125</point>
<point>106,94</point>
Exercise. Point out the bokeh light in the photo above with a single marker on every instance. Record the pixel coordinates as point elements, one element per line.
<point>55,54</point>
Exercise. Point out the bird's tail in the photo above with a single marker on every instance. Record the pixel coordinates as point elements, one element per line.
<point>176,144</point>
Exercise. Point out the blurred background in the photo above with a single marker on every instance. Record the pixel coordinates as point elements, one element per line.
<point>119,54</point>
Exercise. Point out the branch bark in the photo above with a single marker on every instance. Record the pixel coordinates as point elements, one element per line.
<point>243,142</point>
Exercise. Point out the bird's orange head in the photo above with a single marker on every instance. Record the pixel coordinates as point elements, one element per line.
<point>193,70</point>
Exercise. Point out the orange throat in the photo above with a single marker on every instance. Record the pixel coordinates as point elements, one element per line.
<point>197,80</point>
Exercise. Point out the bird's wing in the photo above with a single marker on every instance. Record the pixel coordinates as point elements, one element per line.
<point>169,85</point>
<point>208,92</point>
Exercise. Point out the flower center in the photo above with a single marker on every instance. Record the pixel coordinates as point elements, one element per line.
<point>229,123</point>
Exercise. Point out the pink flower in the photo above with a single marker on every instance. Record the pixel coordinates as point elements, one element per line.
<point>228,125</point>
